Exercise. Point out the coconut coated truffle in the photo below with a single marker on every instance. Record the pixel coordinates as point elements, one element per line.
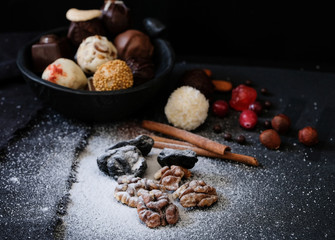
<point>65,72</point>
<point>95,51</point>
<point>113,75</point>
<point>186,108</point>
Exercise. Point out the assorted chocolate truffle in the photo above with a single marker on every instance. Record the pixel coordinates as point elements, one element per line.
<point>84,23</point>
<point>111,56</point>
<point>143,69</point>
<point>65,72</point>
<point>187,108</point>
<point>95,51</point>
<point>198,79</point>
<point>49,48</point>
<point>116,16</point>
<point>113,75</point>
<point>133,44</point>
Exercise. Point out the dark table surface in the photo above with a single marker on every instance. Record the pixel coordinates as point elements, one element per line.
<point>50,187</point>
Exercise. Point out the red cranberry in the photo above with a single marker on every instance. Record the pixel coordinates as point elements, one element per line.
<point>242,97</point>
<point>220,108</point>
<point>256,107</point>
<point>248,119</point>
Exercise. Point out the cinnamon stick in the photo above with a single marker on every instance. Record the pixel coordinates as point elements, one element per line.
<point>197,140</point>
<point>174,144</point>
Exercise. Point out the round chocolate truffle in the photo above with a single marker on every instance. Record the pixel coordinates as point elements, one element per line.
<point>113,75</point>
<point>133,44</point>
<point>142,68</point>
<point>94,51</point>
<point>198,79</point>
<point>84,23</point>
<point>65,72</point>
<point>116,16</point>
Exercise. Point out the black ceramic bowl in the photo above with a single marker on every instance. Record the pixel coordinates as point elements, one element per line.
<point>98,106</point>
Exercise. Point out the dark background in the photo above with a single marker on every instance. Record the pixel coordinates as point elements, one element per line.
<point>273,34</point>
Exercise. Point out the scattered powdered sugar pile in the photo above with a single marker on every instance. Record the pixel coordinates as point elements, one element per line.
<point>244,194</point>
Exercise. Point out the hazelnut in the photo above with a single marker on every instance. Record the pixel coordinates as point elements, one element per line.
<point>281,123</point>
<point>270,139</point>
<point>308,136</point>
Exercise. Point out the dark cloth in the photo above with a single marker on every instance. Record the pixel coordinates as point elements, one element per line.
<point>18,105</point>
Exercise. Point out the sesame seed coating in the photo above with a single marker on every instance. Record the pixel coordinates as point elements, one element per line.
<point>113,75</point>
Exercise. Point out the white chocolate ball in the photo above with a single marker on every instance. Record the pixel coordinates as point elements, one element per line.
<point>187,108</point>
<point>65,72</point>
<point>95,51</point>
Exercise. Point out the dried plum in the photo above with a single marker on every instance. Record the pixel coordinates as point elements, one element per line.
<point>127,160</point>
<point>143,142</point>
<point>184,158</point>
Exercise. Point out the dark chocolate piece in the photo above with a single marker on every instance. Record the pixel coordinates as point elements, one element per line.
<point>143,69</point>
<point>116,16</point>
<point>198,79</point>
<point>143,142</point>
<point>47,50</point>
<point>184,158</point>
<point>127,160</point>
<point>78,31</point>
<point>133,44</point>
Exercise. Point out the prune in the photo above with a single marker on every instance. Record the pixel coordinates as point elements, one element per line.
<point>127,160</point>
<point>143,142</point>
<point>184,158</point>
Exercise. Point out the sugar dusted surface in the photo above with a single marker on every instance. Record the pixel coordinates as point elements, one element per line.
<point>291,197</point>
<point>247,196</point>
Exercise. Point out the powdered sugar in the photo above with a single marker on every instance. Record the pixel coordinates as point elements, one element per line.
<point>95,212</point>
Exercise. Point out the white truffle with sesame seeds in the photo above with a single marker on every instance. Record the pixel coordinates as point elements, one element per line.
<point>95,51</point>
<point>113,75</point>
<point>187,108</point>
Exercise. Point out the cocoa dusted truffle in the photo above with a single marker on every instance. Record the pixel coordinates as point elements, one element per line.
<point>116,16</point>
<point>133,44</point>
<point>84,23</point>
<point>198,79</point>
